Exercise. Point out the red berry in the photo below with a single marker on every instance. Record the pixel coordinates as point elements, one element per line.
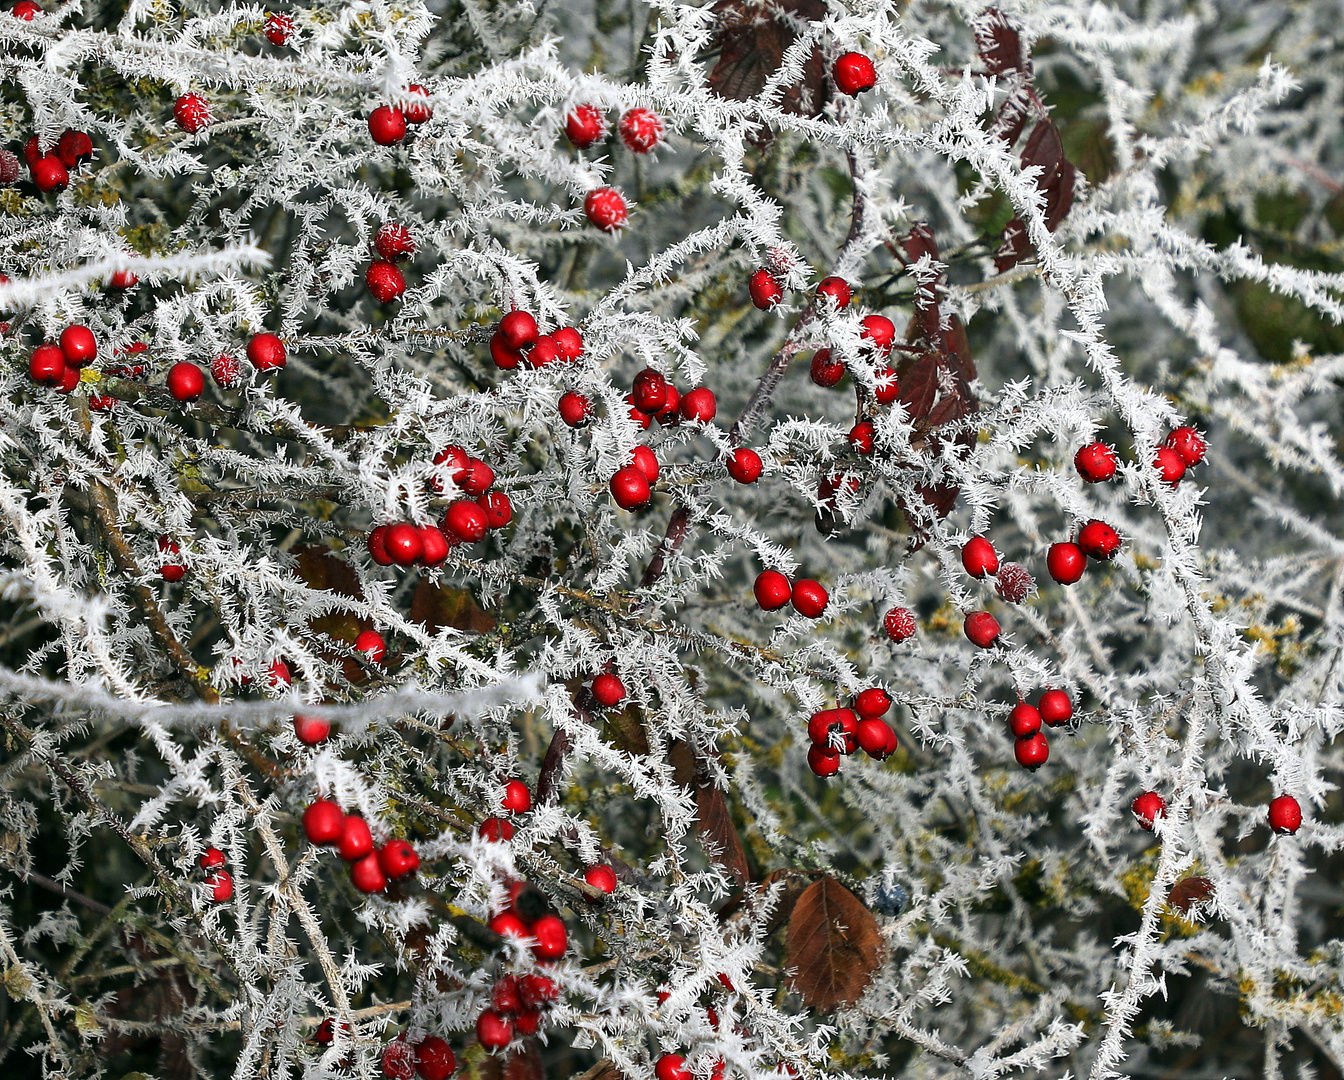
<point>886,390</point>
<point>876,737</point>
<point>568,342</point>
<point>505,356</point>
<point>670,413</point>
<point>671,1067</point>
<point>1014,583</point>
<point>879,330</point>
<point>311,730</point>
<point>823,761</point>
<point>854,73</point>
<point>872,702</point>
<point>646,461</point>
<point>1098,540</point>
<point>278,29</point>
<point>434,545</point>
<point>861,437</point>
<point>1147,808</point>
<point>46,365</point>
<point>220,884</point>
<point>74,148</point>
<point>477,477</point>
<point>466,521</point>
<point>32,151</point>
<point>1024,721</point>
<point>394,242</point>
<point>821,725</point>
<point>608,690</point>
<point>630,488</point>
<point>1066,562</point>
<point>505,997</point>
<point>266,352</point>
<point>552,938</point>
<point>123,279</point>
<point>323,822</point>
<point>224,370</point>
<point>809,598</point>
<point>367,875</point>
<point>699,404</point>
<point>641,130</point>
<point>537,991</point>
<point>979,557</point>
<point>278,675</point>
<point>385,282</point>
<point>505,924</point>
<point>542,353</point>
<point>186,382</point>
<point>403,543</point>
<point>982,629</point>
<point>837,289</point>
<point>585,125</point>
<point>1095,462</point>
<point>371,643</point>
<point>601,877</point>
<point>643,419</point>
<point>605,207</point>
<point>434,1059</point>
<point>764,289</point>
<point>527,1022</point>
<point>387,125</point>
<point>518,329</point>
<point>498,508</point>
<point>825,370</point>
<point>378,546</point>
<point>517,797</point>
<point>213,859</point>
<point>1188,442</point>
<point>192,113</point>
<point>49,173</point>
<point>744,465</point>
<point>648,393</point>
<point>496,829</point>
<point>772,590</point>
<point>493,1031</point>
<point>1285,815</point>
<point>398,859</point>
<point>1169,464</point>
<point>1056,708</point>
<point>1032,752</point>
<point>78,345</point>
<point>355,841</point>
<point>418,112</point>
<point>575,409</point>
<point>25,10</point>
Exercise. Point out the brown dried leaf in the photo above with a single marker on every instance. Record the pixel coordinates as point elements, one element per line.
<point>322,568</point>
<point>833,946</point>
<point>1188,892</point>
<point>999,45</point>
<point>752,38</point>
<point>714,821</point>
<point>1044,149</point>
<point>438,606</point>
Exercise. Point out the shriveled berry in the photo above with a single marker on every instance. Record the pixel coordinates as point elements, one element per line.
<point>1014,583</point>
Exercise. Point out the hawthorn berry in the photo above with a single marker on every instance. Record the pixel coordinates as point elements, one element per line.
<point>434,545</point>
<point>266,352</point>
<point>601,877</point>
<point>418,112</point>
<point>466,521</point>
<point>551,936</point>
<point>823,761</point>
<point>505,356</point>
<point>809,598</point>
<point>879,331</point>
<point>861,437</point>
<point>822,725</point>
<point>979,557</point>
<point>575,409</point>
<point>1056,707</point>
<point>608,690</point>
<point>186,382</point>
<point>744,465</point>
<point>641,130</point>
<point>311,730</point>
<point>699,404</point>
<point>394,242</point>
<point>477,477</point>
<point>505,997</point>
<point>643,419</point>
<point>518,329</point>
<point>872,702</point>
<point>899,623</point>
<point>876,737</point>
<point>1024,721</point>
<point>385,281</point>
<point>403,543</point>
<point>1285,815</point>
<point>1147,808</point>
<point>1066,562</point>
<point>1032,752</point>
<point>885,389</point>
<point>605,207</point>
<point>387,125</point>
<point>568,343</point>
<point>764,289</point>
<point>494,1032</point>
<point>648,392</point>
<point>372,644</point>
<point>982,629</point>
<point>25,10</point>
<point>123,279</point>
<point>497,830</point>
<point>323,822</point>
<point>825,369</point>
<point>367,874</point>
<point>74,148</point>
<point>355,841</point>
<point>537,991</point>
<point>837,290</point>
<point>68,381</point>
<point>49,173</point>
<point>527,1022</point>
<point>455,459</point>
<point>1098,540</point>
<point>543,352</point>
<point>172,570</point>
<point>630,488</point>
<point>278,28</point>
<point>32,151</point>
<point>498,508</point>
<point>398,859</point>
<point>224,370</point>
<point>1014,583</point>
<point>506,923</point>
<point>278,674</point>
<point>1188,442</point>
<point>192,113</point>
<point>854,73</point>
<point>220,884</point>
<point>646,461</point>
<point>1169,464</point>
<point>434,1059</point>
<point>1095,462</point>
<point>517,797</point>
<point>78,345</point>
<point>670,413</point>
<point>671,1067</point>
<point>213,859</point>
<point>585,125</point>
<point>46,365</point>
<point>772,590</point>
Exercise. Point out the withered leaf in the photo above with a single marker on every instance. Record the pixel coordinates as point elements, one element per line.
<point>1188,892</point>
<point>999,45</point>
<point>752,37</point>
<point>1044,149</point>
<point>438,606</point>
<point>833,946</point>
<point>713,820</point>
<point>320,568</point>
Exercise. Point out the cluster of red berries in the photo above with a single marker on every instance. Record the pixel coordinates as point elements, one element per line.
<point>1054,708</point>
<point>384,279</point>
<point>326,824</point>
<point>388,123</point>
<point>825,370</point>
<point>58,365</point>
<point>837,732</point>
<point>50,170</point>
<point>171,569</point>
<point>517,1002</point>
<point>431,1058</point>
<point>1285,812</point>
<point>519,340</point>
<point>516,799</point>
<point>773,590</point>
<point>640,129</point>
<point>218,880</point>
<point>1183,449</point>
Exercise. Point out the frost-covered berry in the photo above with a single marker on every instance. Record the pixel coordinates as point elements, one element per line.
<point>385,281</point>
<point>601,877</point>
<point>671,1067</point>
<point>825,369</point>
<point>323,822</point>
<point>744,465</point>
<point>981,628</point>
<point>1056,707</point>
<point>122,280</point>
<point>477,477</point>
<point>311,730</point>
<point>494,1032</point>
<point>699,404</point>
<point>979,558</point>
<point>394,242</point>
<point>49,173</point>
<point>899,623</point>
<point>220,884</point>
<point>433,545</point>
<point>890,899</point>
<point>809,598</point>
<point>764,289</point>
<point>568,343</point>
<point>1066,562</point>
<point>434,1059</point>
<point>1169,464</point>
<point>266,352</point>
<point>885,389</point>
<point>212,859</point>
<point>772,590</point>
<point>861,437</point>
<point>585,125</point>
<point>278,29</point>
<point>496,830</point>
<point>1014,583</point>
<point>192,113</point>
<point>1285,815</point>
<point>387,125</point>
<point>575,409</point>
<point>608,690</point>
<point>1098,540</point>
<point>836,290</point>
<point>879,331</point>
<point>498,508</point>
<point>854,73</point>
<point>641,130</point>
<point>1024,720</point>
<point>605,207</point>
<point>25,10</point>
<point>1188,442</point>
<point>418,112</point>
<point>1095,462</point>
<point>398,1059</point>
<point>372,645</point>
<point>1147,808</point>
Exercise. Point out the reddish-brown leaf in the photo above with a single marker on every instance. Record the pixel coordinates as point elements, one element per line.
<point>1188,892</point>
<point>440,605</point>
<point>752,37</point>
<point>713,819</point>
<point>833,946</point>
<point>322,568</point>
<point>1044,149</point>
<point>999,45</point>
<point>1014,248</point>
